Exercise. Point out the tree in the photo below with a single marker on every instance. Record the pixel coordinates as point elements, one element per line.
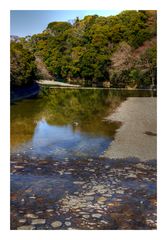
<point>22,65</point>
<point>97,49</point>
<point>149,60</point>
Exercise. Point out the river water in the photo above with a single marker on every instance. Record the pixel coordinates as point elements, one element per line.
<point>66,122</point>
<point>51,191</point>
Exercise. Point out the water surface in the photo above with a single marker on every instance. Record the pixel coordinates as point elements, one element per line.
<point>62,125</point>
<point>66,122</point>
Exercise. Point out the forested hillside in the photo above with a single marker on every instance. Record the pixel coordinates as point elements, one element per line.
<point>114,51</point>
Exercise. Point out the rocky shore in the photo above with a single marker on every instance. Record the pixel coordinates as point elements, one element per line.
<point>90,193</point>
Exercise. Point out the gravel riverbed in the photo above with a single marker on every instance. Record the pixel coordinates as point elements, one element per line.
<point>93,193</point>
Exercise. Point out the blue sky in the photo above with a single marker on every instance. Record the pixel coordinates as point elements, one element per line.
<point>29,22</point>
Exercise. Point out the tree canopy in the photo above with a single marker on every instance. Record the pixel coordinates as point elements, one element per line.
<point>22,66</point>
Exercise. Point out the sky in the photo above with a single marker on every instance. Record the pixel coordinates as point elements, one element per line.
<point>29,22</point>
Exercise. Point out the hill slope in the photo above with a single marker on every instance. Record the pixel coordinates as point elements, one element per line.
<point>117,51</point>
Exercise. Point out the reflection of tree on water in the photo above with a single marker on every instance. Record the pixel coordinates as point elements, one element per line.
<point>63,107</point>
<point>82,109</point>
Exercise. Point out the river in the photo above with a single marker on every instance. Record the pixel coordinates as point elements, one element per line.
<point>59,179</point>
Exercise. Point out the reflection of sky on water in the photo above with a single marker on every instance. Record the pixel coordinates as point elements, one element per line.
<point>63,141</point>
<point>46,135</point>
<point>46,126</point>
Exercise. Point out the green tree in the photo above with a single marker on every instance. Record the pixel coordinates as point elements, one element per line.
<point>22,65</point>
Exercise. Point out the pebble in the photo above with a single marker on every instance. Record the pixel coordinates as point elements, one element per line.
<point>86,216</point>
<point>61,172</point>
<point>18,167</point>
<point>32,197</point>
<point>79,182</point>
<point>96,215</point>
<point>28,190</point>
<point>56,224</point>
<point>140,165</point>
<point>105,222</point>
<point>76,193</point>
<point>101,199</point>
<point>114,204</point>
<point>22,220</point>
<point>38,221</point>
<point>39,212</point>
<point>26,227</point>
<point>108,195</point>
<point>131,176</point>
<point>89,194</point>
<point>89,198</point>
<point>82,213</point>
<point>68,224</point>
<point>31,215</point>
<point>49,210</point>
<point>149,221</point>
<point>120,191</point>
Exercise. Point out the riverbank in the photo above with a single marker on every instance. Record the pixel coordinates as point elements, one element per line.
<point>56,84</point>
<point>137,137</point>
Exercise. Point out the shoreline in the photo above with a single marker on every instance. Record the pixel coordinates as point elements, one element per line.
<point>136,138</point>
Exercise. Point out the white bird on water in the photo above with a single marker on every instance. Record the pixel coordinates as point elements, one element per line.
<point>75,123</point>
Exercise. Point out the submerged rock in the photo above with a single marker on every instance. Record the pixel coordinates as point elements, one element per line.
<point>101,199</point>
<point>38,221</point>
<point>96,215</point>
<point>86,216</point>
<point>89,198</point>
<point>25,227</point>
<point>22,220</point>
<point>56,224</point>
<point>68,224</point>
<point>31,215</point>
<point>131,175</point>
<point>79,182</point>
